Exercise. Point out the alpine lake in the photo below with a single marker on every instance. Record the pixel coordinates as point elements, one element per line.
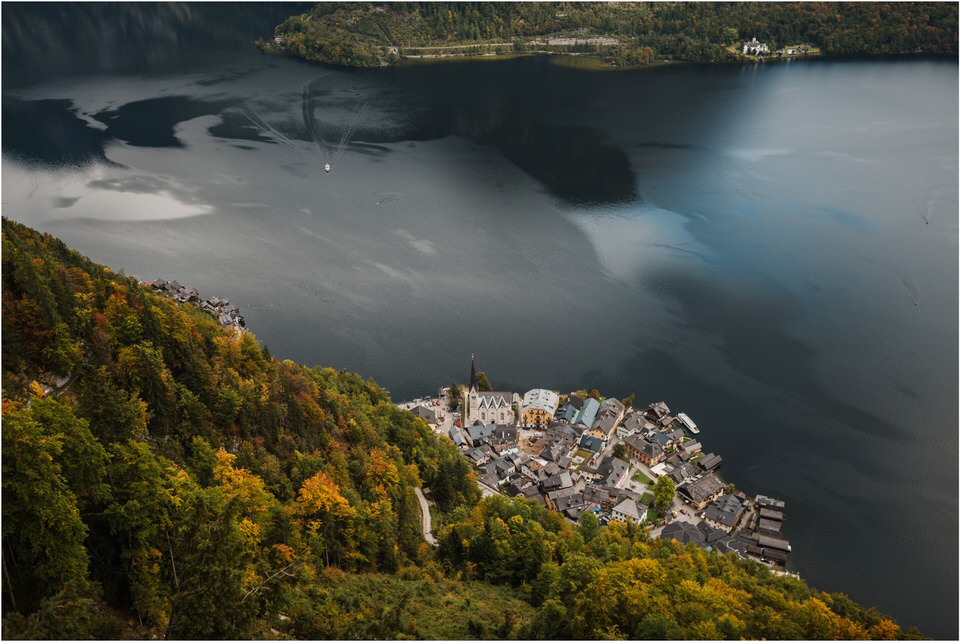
<point>771,249</point>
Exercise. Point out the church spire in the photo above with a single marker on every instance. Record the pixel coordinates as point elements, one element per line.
<point>473,374</point>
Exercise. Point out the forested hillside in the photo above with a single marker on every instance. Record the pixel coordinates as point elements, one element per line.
<point>164,465</point>
<point>166,477</point>
<point>371,34</point>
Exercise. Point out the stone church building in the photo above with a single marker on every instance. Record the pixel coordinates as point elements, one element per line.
<point>488,407</point>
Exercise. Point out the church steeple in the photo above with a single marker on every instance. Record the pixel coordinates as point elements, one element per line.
<point>473,374</point>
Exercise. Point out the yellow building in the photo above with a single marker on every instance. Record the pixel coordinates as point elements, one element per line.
<point>538,408</point>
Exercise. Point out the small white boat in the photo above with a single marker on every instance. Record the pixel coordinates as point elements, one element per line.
<point>688,422</point>
<point>326,167</point>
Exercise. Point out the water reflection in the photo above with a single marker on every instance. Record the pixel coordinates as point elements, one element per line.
<point>47,132</point>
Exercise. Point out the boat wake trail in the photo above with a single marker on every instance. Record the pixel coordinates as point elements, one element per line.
<point>266,128</point>
<point>308,109</point>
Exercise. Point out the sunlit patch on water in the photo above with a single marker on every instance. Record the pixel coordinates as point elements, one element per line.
<point>97,192</point>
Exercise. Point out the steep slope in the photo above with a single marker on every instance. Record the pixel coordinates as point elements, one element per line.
<point>163,476</point>
<point>178,466</point>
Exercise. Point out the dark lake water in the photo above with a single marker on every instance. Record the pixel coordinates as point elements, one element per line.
<point>771,249</point>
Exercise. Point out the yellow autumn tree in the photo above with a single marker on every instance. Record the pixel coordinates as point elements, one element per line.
<point>327,517</point>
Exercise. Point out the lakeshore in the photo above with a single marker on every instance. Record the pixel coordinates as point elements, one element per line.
<point>580,453</point>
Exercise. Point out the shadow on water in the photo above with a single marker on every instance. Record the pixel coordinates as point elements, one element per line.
<point>43,40</point>
<point>573,162</point>
<point>237,126</point>
<point>47,132</point>
<point>749,319</point>
<point>150,123</point>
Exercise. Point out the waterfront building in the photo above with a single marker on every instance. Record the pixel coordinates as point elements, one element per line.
<point>538,408</point>
<point>724,512</point>
<point>488,407</point>
<point>755,47</point>
<point>702,491</point>
<point>588,413</point>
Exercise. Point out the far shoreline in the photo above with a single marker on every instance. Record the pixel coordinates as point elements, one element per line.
<point>596,63</point>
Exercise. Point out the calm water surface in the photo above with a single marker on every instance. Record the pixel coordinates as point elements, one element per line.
<point>772,249</point>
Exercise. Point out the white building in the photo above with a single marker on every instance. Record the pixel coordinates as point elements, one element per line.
<point>755,48</point>
<point>629,511</point>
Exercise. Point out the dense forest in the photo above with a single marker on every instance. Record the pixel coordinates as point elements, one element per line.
<point>372,34</point>
<point>166,477</point>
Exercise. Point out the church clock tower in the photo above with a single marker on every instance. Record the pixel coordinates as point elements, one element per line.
<point>470,396</point>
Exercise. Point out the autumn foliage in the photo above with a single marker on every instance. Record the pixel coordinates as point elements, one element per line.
<point>166,477</point>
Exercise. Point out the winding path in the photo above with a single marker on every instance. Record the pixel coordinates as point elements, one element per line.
<point>425,517</point>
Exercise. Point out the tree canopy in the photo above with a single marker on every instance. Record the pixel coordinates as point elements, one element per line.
<point>633,33</point>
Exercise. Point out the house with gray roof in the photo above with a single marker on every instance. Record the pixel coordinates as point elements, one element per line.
<point>769,527</point>
<point>554,452</point>
<point>683,532</point>
<point>604,427</point>
<point>588,414</point>
<point>724,512</point>
<point>502,468</point>
<point>457,437</point>
<point>425,413</point>
<point>612,406</point>
<point>613,471</point>
<point>476,456</point>
<point>567,413</point>
<point>691,447</point>
<point>657,411</point>
<point>515,489</point>
<point>489,479</point>
<point>769,513</point>
<point>478,434</point>
<point>710,461</point>
<point>596,495</point>
<point>769,502</point>
<point>768,542</point>
<point>571,506</point>
<point>533,492</point>
<point>647,452</point>
<point>684,471</point>
<point>593,444</point>
<point>556,482</point>
<point>702,491</point>
<point>629,511</point>
<point>661,439</point>
<point>633,421</point>
<point>505,434</point>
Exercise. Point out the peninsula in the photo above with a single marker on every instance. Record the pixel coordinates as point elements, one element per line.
<point>595,458</point>
<point>616,34</point>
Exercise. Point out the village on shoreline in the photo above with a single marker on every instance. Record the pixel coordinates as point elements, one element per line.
<point>227,314</point>
<point>580,452</point>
